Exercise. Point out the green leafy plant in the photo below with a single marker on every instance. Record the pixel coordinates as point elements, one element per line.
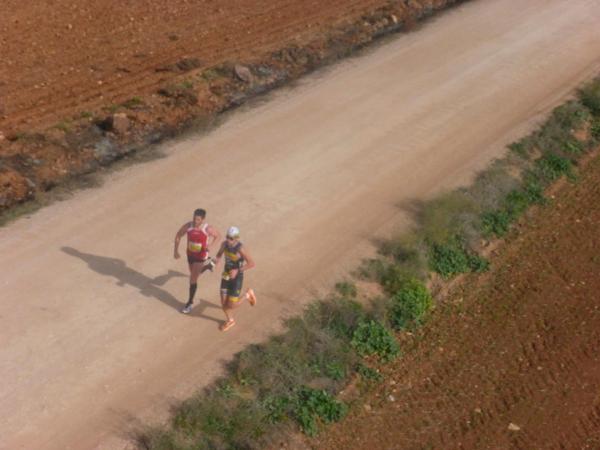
<point>551,167</point>
<point>372,338</point>
<point>590,96</point>
<point>410,305</point>
<point>452,258</point>
<point>314,405</point>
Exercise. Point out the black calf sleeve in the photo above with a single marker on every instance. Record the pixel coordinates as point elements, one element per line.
<point>192,291</point>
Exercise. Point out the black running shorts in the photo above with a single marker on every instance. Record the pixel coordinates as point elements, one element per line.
<point>233,287</point>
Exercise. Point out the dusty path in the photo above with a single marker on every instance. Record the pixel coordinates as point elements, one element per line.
<point>91,337</point>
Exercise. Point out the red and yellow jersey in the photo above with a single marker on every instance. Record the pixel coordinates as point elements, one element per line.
<point>197,241</point>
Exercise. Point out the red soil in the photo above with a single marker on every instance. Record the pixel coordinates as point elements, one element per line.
<point>518,346</point>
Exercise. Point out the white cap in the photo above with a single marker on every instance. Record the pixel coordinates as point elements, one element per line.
<point>233,232</point>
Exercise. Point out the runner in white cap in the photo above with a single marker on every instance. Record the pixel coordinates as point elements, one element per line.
<point>237,261</point>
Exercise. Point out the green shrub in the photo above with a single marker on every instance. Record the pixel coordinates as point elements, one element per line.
<point>496,222</point>
<point>452,258</point>
<point>590,96</point>
<point>477,263</point>
<point>277,408</point>
<point>409,305</point>
<point>312,405</point>
<point>551,167</point>
<point>372,338</point>
<point>516,202</point>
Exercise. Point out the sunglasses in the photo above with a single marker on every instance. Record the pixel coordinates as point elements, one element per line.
<point>230,238</point>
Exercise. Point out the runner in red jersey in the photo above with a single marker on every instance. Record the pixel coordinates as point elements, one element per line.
<point>200,236</point>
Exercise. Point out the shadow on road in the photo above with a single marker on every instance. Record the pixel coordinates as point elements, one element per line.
<point>148,287</point>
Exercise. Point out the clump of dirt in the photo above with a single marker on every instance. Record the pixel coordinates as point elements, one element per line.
<point>76,98</point>
<point>511,358</point>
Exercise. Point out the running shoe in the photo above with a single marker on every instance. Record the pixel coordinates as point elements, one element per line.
<point>210,263</point>
<point>188,308</point>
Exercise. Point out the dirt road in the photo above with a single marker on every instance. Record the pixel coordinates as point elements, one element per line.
<point>91,339</point>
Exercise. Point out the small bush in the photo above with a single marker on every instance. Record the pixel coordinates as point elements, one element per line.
<point>372,338</point>
<point>550,167</point>
<point>590,96</point>
<point>312,405</point>
<point>277,408</point>
<point>516,202</point>
<point>496,222</point>
<point>452,258</point>
<point>410,305</point>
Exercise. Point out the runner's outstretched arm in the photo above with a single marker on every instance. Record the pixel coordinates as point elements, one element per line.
<point>178,237</point>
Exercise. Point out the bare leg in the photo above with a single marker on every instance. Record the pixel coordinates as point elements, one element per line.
<point>196,270</point>
<point>229,304</point>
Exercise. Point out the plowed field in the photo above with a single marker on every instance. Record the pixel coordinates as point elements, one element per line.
<point>68,68</point>
<point>62,57</point>
<point>513,359</point>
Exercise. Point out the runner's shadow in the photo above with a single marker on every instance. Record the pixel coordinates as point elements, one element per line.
<point>148,287</point>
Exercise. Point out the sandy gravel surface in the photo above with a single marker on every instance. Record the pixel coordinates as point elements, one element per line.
<point>91,340</point>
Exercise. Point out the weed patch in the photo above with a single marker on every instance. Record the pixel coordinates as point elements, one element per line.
<point>133,103</point>
<point>372,338</point>
<point>312,405</point>
<point>590,96</point>
<point>452,258</point>
<point>409,305</point>
<point>550,167</point>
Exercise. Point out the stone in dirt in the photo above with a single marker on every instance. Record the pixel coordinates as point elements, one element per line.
<point>120,123</point>
<point>243,73</point>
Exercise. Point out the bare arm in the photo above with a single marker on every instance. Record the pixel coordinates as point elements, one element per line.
<point>220,253</point>
<point>180,233</point>
<point>249,261</point>
<point>213,236</point>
